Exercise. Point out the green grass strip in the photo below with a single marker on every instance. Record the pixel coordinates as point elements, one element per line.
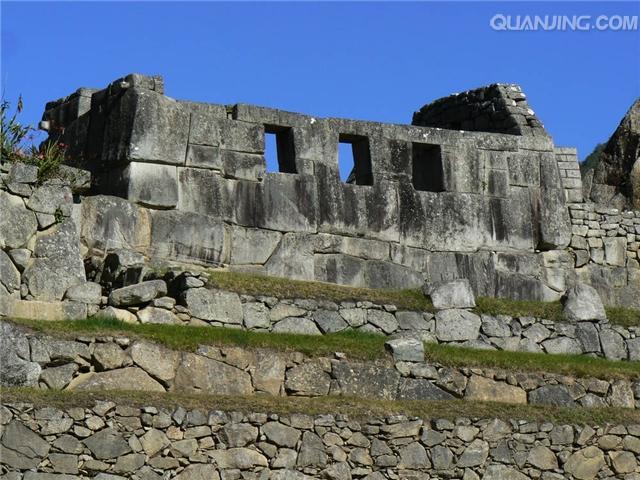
<point>573,365</point>
<point>257,285</point>
<point>410,299</point>
<point>356,345</point>
<point>355,408</point>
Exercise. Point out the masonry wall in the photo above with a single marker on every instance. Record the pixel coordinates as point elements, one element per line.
<point>423,203</point>
<point>152,442</point>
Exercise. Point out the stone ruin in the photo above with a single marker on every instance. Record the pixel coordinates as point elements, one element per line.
<point>472,199</point>
<point>475,188</point>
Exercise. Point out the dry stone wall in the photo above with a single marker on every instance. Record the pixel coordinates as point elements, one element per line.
<point>110,441</point>
<point>606,245</point>
<point>121,363</point>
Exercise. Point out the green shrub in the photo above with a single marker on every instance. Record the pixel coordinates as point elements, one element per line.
<point>17,144</point>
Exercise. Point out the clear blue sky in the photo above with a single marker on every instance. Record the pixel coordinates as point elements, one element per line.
<point>373,61</point>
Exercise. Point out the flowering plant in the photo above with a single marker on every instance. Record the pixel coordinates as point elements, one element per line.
<point>15,139</point>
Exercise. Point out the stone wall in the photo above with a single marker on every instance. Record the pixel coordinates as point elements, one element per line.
<point>570,174</point>
<point>121,363</point>
<point>498,108</point>
<point>415,191</point>
<point>109,441</point>
<point>606,246</point>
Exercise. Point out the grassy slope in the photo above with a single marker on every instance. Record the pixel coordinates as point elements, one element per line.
<point>257,285</point>
<point>360,409</point>
<point>357,345</point>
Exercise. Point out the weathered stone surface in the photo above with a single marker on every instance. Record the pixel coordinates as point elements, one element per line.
<point>242,458</point>
<point>256,315</point>
<point>487,390</point>
<point>109,356</point>
<point>613,345</point>
<point>585,464</point>
<point>17,224</point>
<point>383,320</point>
<point>252,246</point>
<point>240,434</point>
<point>269,374</point>
<point>9,274</point>
<point>106,444</point>
<point>198,374</point>
<point>308,379</point>
<point>366,380</point>
<point>156,360</point>
<point>406,349</point>
<point>199,471</point>
<point>302,326</point>
<point>281,435</point>
<point>421,389</point>
<point>502,472</point>
<point>556,395</point>
<point>414,456</point>
<point>543,458</point>
<point>615,178</point>
<point>89,292</point>
<point>21,447</point>
<point>215,305</point>
<point>457,325</point>
<point>329,321</point>
<point>562,345</point>
<point>582,302</point>
<point>15,367</point>
<point>153,441</point>
<point>150,185</point>
<point>475,454</point>
<point>454,294</point>
<point>588,336</point>
<point>157,316</point>
<point>138,294</point>
<point>311,452</point>
<point>57,378</point>
<point>111,222</point>
<point>119,314</point>
<point>188,237</point>
<point>129,378</point>
<point>57,263</point>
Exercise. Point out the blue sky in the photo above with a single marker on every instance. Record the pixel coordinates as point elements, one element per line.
<point>374,61</point>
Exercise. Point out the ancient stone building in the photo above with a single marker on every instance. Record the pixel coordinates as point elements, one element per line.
<point>474,188</point>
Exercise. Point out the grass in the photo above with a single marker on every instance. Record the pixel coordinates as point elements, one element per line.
<point>256,285</point>
<point>574,365</point>
<point>408,299</point>
<point>356,345</point>
<point>358,409</point>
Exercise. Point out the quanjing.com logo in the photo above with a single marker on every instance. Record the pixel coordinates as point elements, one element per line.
<point>519,23</point>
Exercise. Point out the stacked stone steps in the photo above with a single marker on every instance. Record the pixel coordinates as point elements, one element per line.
<point>87,362</point>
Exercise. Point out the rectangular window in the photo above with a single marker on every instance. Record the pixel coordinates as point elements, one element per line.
<point>354,159</point>
<point>428,172</point>
<point>279,149</point>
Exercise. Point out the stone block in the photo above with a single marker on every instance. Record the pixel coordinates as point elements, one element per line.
<point>615,251</point>
<point>340,269</point>
<point>582,302</point>
<point>17,224</point>
<point>252,246</point>
<point>148,184</point>
<point>111,222</point>
<point>453,294</point>
<point>160,129</point>
<point>457,325</point>
<point>188,237</point>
